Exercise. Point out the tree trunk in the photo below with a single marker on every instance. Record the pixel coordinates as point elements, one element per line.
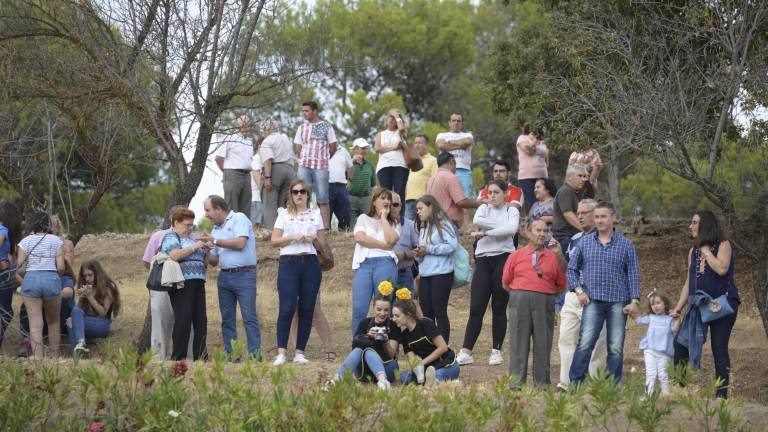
<point>760,281</point>
<point>144,340</point>
<point>614,169</point>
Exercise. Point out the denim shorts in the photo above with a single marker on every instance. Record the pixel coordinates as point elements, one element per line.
<point>319,181</point>
<point>67,282</point>
<point>41,284</point>
<point>465,177</point>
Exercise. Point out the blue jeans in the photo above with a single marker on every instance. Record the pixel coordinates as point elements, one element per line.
<point>450,372</point>
<point>366,280</point>
<point>564,244</point>
<point>298,284</point>
<point>338,204</point>
<point>410,210</point>
<point>405,278</point>
<point>394,179</point>
<point>465,177</point>
<point>593,316</point>
<point>360,361</point>
<point>234,288</point>
<point>529,197</point>
<point>319,181</point>
<point>7,288</point>
<point>87,326</point>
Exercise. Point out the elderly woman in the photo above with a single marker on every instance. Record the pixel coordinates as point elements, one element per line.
<point>533,157</point>
<point>188,302</point>
<point>389,143</point>
<point>41,262</point>
<point>277,158</point>
<point>710,270</point>
<point>545,191</point>
<point>533,275</point>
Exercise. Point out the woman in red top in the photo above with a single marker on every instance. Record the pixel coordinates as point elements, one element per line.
<point>533,275</point>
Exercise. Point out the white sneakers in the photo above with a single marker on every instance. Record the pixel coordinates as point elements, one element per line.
<point>300,359</point>
<point>279,360</point>
<point>384,385</point>
<point>430,376</point>
<point>496,358</point>
<point>81,347</point>
<point>464,358</point>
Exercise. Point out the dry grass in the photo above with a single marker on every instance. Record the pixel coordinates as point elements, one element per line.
<point>662,262</point>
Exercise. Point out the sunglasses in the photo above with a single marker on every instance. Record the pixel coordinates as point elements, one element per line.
<point>395,204</point>
<point>535,262</point>
<point>298,191</point>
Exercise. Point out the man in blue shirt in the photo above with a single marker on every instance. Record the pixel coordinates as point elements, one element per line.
<point>609,289</point>
<point>234,251</point>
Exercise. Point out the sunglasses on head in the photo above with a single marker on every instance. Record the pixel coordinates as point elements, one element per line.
<point>298,191</point>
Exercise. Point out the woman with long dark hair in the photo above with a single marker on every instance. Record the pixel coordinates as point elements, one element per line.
<point>97,301</point>
<point>710,270</point>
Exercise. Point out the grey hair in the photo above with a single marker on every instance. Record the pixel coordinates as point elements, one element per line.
<point>589,201</point>
<point>269,126</point>
<point>573,169</point>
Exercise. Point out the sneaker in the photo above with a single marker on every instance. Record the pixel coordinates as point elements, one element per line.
<point>300,359</point>
<point>81,348</point>
<point>464,358</point>
<point>496,358</point>
<point>430,376</point>
<point>25,348</point>
<point>384,385</point>
<point>330,383</point>
<point>279,360</point>
<point>561,387</point>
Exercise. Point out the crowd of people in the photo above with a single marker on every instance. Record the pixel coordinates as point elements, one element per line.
<point>538,250</point>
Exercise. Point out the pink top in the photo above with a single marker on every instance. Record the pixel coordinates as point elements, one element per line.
<point>531,166</point>
<point>154,244</point>
<point>445,186</point>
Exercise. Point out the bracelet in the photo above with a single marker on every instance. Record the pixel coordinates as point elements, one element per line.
<point>267,177</point>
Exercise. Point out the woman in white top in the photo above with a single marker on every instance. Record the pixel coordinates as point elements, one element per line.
<point>374,260</point>
<point>41,261</point>
<point>497,224</point>
<point>389,144</point>
<point>298,274</point>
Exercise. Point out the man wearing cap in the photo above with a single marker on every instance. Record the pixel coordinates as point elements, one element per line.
<point>417,180</point>
<point>361,182</point>
<point>340,169</point>
<point>234,158</point>
<point>446,187</point>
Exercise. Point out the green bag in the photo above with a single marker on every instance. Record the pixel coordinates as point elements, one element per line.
<point>462,272</point>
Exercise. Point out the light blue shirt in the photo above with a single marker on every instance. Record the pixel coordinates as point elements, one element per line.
<point>659,336</point>
<point>439,257</point>
<point>234,226</point>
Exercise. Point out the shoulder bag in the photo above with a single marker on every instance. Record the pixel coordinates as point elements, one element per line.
<point>324,253</point>
<point>716,308</point>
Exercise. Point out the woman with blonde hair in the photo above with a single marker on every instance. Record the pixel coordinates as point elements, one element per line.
<point>298,274</point>
<point>374,259</point>
<point>389,144</point>
<point>277,158</point>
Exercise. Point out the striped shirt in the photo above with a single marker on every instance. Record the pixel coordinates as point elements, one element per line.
<point>315,140</point>
<point>41,250</point>
<point>362,180</point>
<point>610,272</point>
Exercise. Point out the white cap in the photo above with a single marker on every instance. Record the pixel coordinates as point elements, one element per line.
<point>360,142</point>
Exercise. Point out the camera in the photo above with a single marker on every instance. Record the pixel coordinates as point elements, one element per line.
<point>381,333</point>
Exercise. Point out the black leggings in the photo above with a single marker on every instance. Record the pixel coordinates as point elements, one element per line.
<point>720,335</point>
<point>486,285</point>
<point>433,299</point>
<point>189,312</point>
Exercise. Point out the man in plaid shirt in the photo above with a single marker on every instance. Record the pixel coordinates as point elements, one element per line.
<point>609,289</point>
<point>315,143</point>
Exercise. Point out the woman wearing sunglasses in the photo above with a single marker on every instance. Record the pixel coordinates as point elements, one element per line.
<point>298,274</point>
<point>533,275</point>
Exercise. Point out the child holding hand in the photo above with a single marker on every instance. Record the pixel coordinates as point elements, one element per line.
<point>657,344</point>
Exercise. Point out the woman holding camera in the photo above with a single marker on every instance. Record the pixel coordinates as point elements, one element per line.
<point>422,343</point>
<point>389,144</point>
<point>97,300</point>
<point>372,355</point>
<point>497,224</point>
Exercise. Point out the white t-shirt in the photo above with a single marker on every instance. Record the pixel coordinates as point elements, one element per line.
<point>256,165</point>
<point>308,222</point>
<point>41,250</point>
<point>390,139</point>
<point>463,156</point>
<point>371,227</point>
<point>338,165</point>
<point>237,152</point>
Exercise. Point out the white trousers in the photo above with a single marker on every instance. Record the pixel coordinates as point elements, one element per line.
<point>656,367</point>
<point>162,325</point>
<point>570,323</point>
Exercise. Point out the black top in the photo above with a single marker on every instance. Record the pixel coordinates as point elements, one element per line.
<point>419,341</point>
<point>362,333</point>
<point>566,200</point>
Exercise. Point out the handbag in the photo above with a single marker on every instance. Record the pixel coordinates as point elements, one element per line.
<point>324,253</point>
<point>155,279</point>
<point>715,309</point>
<point>412,158</point>
<point>462,272</point>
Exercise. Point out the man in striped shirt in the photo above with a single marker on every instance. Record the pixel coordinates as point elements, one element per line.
<point>315,143</point>
<point>609,289</point>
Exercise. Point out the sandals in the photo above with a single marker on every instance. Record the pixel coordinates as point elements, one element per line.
<point>330,356</point>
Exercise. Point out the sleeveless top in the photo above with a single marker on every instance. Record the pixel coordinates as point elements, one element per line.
<point>390,139</point>
<point>703,278</point>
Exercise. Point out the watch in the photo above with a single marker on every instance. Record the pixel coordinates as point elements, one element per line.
<point>636,301</point>
<point>214,241</point>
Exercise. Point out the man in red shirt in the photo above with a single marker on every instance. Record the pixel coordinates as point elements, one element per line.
<point>533,275</point>
<point>501,172</point>
<point>446,187</point>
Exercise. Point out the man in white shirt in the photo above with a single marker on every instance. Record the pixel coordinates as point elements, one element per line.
<point>341,169</point>
<point>459,144</point>
<point>234,158</point>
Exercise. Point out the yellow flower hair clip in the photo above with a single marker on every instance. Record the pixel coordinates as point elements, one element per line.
<point>403,294</point>
<point>385,288</point>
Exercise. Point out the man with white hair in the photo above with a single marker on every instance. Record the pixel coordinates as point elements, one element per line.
<point>566,223</point>
<point>234,158</point>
